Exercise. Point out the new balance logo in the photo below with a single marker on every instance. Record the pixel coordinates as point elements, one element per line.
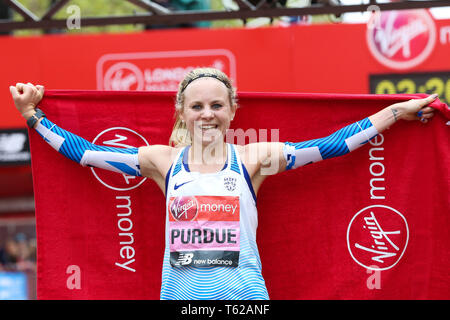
<point>184,259</point>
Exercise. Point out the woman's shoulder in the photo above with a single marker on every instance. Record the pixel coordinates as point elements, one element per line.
<point>160,152</point>
<point>155,160</point>
<point>251,148</point>
<point>255,153</point>
<point>239,148</point>
<point>245,153</point>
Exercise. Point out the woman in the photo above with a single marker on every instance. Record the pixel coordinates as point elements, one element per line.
<point>211,186</point>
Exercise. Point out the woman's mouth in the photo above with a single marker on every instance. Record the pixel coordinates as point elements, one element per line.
<point>206,127</point>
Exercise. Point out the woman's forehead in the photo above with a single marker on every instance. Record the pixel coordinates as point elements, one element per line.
<point>206,88</point>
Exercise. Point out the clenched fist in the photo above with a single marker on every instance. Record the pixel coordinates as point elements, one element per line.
<point>26,97</point>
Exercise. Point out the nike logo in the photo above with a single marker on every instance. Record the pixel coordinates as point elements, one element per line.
<point>179,185</point>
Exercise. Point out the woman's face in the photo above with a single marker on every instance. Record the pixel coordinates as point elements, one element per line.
<point>207,111</point>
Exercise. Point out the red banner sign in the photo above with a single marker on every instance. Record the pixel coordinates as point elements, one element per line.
<point>314,58</point>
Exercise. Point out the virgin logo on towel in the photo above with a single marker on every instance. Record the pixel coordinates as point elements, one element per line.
<point>158,71</point>
<point>402,39</point>
<point>377,236</point>
<point>118,137</point>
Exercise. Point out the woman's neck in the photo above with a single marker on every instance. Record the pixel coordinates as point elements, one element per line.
<point>211,154</point>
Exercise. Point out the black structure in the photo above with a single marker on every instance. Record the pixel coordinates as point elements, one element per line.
<point>160,15</point>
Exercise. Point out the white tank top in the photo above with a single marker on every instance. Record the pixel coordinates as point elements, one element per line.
<point>211,222</point>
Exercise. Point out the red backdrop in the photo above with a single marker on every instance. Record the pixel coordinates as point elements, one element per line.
<point>310,219</point>
<point>316,59</point>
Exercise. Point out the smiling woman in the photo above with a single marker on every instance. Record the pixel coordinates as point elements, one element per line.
<point>210,185</point>
<point>221,97</point>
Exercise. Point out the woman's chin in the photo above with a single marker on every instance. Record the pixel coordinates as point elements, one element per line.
<point>207,140</point>
<point>210,136</point>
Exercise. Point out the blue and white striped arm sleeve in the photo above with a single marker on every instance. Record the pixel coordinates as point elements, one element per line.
<point>337,144</point>
<point>75,148</point>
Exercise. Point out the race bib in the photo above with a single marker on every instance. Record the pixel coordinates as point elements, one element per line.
<point>204,231</point>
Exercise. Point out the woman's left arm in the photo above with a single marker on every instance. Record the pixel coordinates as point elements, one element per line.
<point>288,155</point>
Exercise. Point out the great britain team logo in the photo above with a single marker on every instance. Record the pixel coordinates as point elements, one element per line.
<point>377,237</point>
<point>401,39</point>
<point>229,183</point>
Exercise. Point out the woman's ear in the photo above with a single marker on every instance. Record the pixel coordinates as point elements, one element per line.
<point>233,111</point>
<point>180,115</point>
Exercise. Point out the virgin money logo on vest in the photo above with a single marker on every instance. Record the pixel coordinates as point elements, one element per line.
<point>377,236</point>
<point>118,137</point>
<point>402,39</point>
<point>158,71</point>
<point>184,208</point>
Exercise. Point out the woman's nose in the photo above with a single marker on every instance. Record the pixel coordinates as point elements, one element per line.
<point>207,113</point>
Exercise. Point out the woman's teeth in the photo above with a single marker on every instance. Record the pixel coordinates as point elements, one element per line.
<point>208,127</point>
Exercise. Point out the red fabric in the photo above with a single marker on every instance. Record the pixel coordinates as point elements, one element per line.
<point>304,214</point>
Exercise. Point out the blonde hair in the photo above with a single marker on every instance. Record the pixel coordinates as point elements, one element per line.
<point>180,135</point>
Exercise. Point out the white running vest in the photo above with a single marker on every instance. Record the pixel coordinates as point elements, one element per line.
<point>211,222</point>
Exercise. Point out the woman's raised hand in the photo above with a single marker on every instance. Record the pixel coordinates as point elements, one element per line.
<point>415,109</point>
<point>26,97</point>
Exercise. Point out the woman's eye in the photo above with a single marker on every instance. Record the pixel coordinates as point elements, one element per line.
<point>196,107</point>
<point>217,106</point>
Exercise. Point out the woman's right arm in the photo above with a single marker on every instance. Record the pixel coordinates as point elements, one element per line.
<point>130,161</point>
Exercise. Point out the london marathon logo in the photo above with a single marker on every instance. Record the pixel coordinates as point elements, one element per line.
<point>158,71</point>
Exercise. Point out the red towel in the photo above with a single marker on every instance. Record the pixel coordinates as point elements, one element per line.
<point>372,224</point>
